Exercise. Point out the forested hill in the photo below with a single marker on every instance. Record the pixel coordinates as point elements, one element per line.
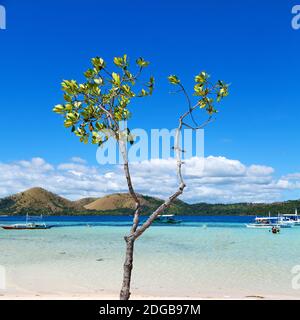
<point>41,201</point>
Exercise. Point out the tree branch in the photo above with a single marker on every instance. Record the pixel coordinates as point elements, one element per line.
<point>139,231</point>
<point>189,103</point>
<point>136,216</point>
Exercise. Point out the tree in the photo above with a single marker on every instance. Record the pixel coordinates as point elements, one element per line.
<point>93,110</point>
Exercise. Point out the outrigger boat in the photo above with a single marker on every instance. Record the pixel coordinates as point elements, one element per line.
<point>270,222</point>
<point>167,219</point>
<point>27,225</point>
<point>264,223</point>
<point>293,218</point>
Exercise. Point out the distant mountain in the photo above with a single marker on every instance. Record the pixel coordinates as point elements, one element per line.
<point>123,201</point>
<point>41,201</point>
<point>84,201</point>
<point>37,201</point>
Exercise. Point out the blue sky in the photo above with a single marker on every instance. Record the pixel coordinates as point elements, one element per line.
<point>250,44</point>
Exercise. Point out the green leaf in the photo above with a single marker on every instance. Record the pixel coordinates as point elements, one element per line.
<point>116,78</point>
<point>201,77</point>
<point>72,116</point>
<point>70,86</point>
<point>77,104</point>
<point>173,79</point>
<point>143,93</point>
<point>67,98</point>
<point>96,91</point>
<point>202,104</point>
<point>68,123</point>
<point>121,61</point>
<point>151,85</point>
<point>69,107</point>
<point>199,90</point>
<point>59,109</point>
<point>89,73</point>
<point>127,90</point>
<point>100,126</point>
<point>118,61</point>
<point>223,92</point>
<point>98,63</point>
<point>142,63</point>
<point>99,81</point>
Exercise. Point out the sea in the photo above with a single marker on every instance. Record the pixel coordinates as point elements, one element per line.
<point>202,257</point>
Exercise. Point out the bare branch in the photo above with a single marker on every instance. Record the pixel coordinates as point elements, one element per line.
<point>189,103</point>
<point>210,119</point>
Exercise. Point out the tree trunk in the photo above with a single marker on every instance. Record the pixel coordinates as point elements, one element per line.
<point>128,265</point>
<point>135,231</point>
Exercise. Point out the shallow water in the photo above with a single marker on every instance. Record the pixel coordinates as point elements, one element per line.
<point>204,257</point>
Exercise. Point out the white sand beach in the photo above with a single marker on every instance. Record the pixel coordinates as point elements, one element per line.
<point>170,263</point>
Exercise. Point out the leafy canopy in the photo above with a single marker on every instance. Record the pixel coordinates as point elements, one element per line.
<point>94,108</point>
<point>207,93</point>
<point>99,103</point>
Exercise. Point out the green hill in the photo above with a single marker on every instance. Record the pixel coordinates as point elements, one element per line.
<point>40,201</point>
<point>37,201</point>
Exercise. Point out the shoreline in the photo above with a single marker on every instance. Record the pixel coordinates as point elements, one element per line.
<point>82,214</point>
<point>112,297</point>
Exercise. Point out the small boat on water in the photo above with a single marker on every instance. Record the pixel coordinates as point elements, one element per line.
<point>28,225</point>
<point>166,219</point>
<point>263,223</point>
<point>270,222</point>
<point>292,218</point>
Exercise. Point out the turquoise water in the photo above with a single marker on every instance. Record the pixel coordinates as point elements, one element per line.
<point>196,259</point>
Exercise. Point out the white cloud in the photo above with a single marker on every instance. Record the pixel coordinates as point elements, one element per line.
<point>78,160</point>
<point>257,171</point>
<point>213,179</point>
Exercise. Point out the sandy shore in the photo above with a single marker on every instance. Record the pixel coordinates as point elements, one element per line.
<point>87,263</point>
<point>109,296</point>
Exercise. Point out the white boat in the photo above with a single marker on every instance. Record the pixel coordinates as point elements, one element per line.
<point>270,222</point>
<point>264,223</point>
<point>27,225</point>
<point>293,218</point>
<point>167,219</point>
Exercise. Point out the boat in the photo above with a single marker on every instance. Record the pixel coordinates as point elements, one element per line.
<point>294,218</point>
<point>263,223</point>
<point>28,225</point>
<point>270,222</point>
<point>167,219</point>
